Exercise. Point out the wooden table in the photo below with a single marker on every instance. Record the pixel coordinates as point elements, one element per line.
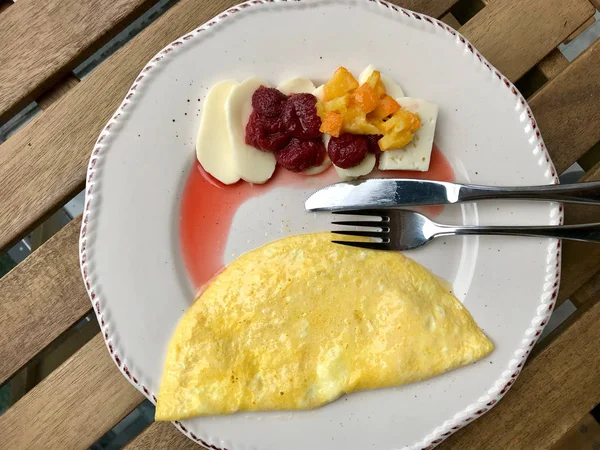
<point>43,165</point>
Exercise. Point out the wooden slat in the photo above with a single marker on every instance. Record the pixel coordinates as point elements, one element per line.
<point>570,37</point>
<point>73,407</point>
<point>4,4</point>
<point>554,390</point>
<point>449,19</point>
<point>584,435</point>
<point>62,349</point>
<point>41,298</point>
<point>567,110</point>
<point>56,92</point>
<point>584,26</point>
<point>587,292</point>
<point>52,169</point>
<point>553,64</point>
<point>51,357</point>
<point>162,436</point>
<point>433,8</point>
<point>41,41</point>
<point>514,35</point>
<point>580,260</point>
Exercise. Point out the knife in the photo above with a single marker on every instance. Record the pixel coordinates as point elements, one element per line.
<point>397,192</point>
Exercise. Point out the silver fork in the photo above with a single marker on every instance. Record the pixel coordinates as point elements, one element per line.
<point>404,230</point>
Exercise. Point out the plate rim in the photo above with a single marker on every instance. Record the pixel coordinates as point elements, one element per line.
<point>553,267</point>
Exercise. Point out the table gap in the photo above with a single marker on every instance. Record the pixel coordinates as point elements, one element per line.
<point>19,120</point>
<point>532,81</point>
<point>591,157</point>
<point>122,38</point>
<point>574,48</point>
<point>127,429</point>
<point>465,10</point>
<point>4,4</point>
<point>74,206</point>
<point>46,361</point>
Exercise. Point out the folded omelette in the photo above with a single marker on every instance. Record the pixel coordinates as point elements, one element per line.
<point>300,321</point>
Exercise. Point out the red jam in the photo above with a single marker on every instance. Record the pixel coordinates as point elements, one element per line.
<point>286,126</point>
<point>266,133</point>
<point>300,155</point>
<point>374,143</point>
<point>268,102</point>
<point>300,116</point>
<point>348,150</point>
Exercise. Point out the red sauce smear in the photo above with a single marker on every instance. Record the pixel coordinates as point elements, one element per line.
<point>208,208</point>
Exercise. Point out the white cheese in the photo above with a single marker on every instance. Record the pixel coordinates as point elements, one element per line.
<point>297,85</point>
<point>319,92</point>
<point>326,164</point>
<point>213,148</point>
<point>252,165</point>
<point>364,168</point>
<point>417,154</point>
<point>391,88</point>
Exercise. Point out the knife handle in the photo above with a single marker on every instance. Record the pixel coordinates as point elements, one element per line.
<point>588,232</point>
<point>586,192</point>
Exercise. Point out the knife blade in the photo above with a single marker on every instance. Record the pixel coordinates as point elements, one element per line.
<point>381,193</point>
<point>398,192</point>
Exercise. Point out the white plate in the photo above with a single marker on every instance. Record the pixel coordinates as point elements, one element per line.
<point>130,254</point>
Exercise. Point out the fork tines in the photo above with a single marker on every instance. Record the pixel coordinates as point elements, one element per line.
<point>382,224</point>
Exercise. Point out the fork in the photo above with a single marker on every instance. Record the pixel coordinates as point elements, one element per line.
<point>404,230</point>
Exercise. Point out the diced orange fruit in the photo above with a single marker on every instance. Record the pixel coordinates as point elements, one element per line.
<point>366,97</point>
<point>386,107</point>
<point>394,141</point>
<point>375,82</point>
<point>399,130</point>
<point>339,104</point>
<point>341,83</point>
<point>402,120</point>
<point>332,123</point>
<point>355,122</point>
<point>365,109</point>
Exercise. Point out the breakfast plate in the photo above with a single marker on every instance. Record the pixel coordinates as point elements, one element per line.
<point>149,209</point>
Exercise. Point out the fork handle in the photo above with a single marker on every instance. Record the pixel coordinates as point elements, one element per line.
<point>589,232</point>
<point>585,192</point>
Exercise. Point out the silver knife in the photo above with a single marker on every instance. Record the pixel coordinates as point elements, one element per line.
<point>396,192</point>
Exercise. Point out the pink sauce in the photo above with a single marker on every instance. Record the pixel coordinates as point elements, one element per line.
<point>208,207</point>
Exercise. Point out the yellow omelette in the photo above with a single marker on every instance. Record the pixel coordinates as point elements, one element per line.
<point>300,321</point>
